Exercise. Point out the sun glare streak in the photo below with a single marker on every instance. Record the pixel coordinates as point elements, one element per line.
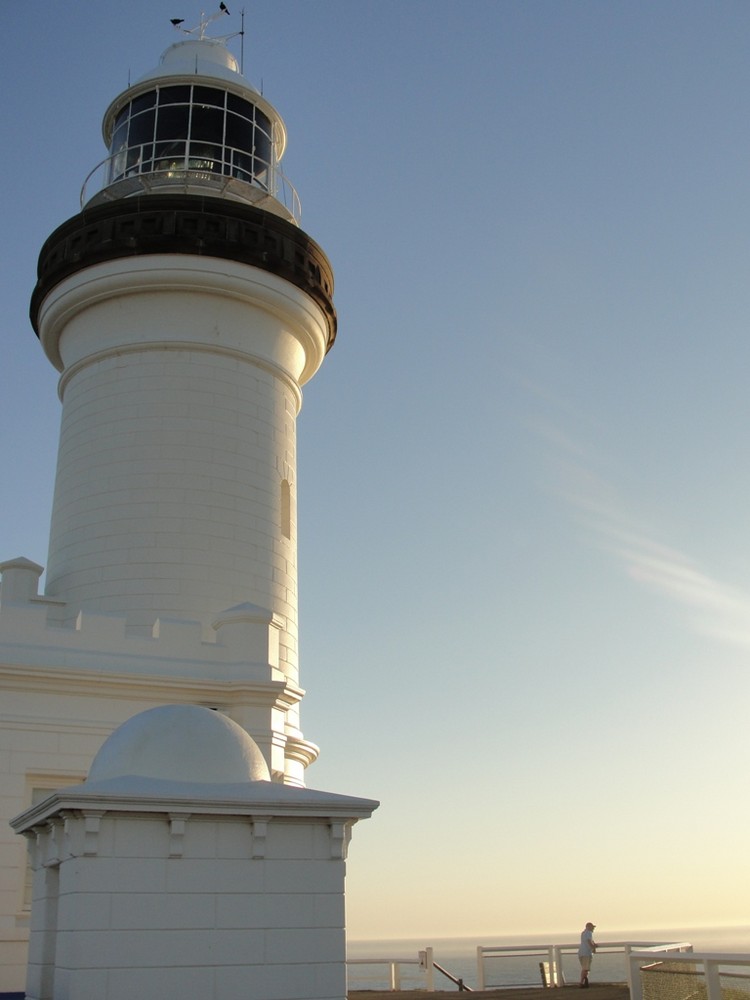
<point>712,608</point>
<point>717,609</point>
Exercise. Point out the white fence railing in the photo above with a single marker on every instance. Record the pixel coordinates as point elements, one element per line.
<point>708,967</point>
<point>642,958</point>
<point>393,968</point>
<point>552,956</point>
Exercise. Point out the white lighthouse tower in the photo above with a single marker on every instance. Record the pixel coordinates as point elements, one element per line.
<point>184,309</point>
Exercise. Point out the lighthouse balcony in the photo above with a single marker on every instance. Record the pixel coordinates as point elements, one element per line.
<point>180,168</point>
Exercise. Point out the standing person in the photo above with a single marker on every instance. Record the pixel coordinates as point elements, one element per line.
<point>586,953</point>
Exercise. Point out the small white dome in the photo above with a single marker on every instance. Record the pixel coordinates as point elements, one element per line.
<point>180,743</point>
<point>204,58</point>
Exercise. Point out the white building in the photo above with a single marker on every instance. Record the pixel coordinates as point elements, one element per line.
<point>184,309</point>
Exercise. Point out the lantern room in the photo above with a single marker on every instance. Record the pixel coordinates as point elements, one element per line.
<point>194,125</point>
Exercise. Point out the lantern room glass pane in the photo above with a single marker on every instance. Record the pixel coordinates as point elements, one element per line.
<point>240,106</point>
<point>263,122</point>
<point>239,133</point>
<point>242,167</point>
<point>134,162</point>
<point>263,137</point>
<point>123,116</point>
<point>141,128</point>
<point>172,122</point>
<point>146,162</point>
<point>208,95</point>
<point>119,138</point>
<point>169,156</point>
<point>174,95</point>
<point>262,147</point>
<point>204,156</point>
<point>143,102</point>
<point>207,123</point>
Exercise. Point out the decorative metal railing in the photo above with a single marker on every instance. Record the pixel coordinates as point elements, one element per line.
<point>223,170</point>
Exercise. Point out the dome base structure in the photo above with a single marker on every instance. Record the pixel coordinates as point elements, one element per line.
<point>228,889</point>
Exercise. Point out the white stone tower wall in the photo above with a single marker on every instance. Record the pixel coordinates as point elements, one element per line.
<point>168,492</point>
<point>175,489</point>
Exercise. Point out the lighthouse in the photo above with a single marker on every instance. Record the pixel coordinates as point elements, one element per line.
<point>185,309</point>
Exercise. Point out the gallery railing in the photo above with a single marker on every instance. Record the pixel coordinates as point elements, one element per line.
<point>223,171</point>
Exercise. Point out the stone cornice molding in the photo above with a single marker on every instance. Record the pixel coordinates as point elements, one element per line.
<point>178,690</point>
<point>186,224</point>
<point>263,800</point>
<point>303,751</point>
<point>141,348</point>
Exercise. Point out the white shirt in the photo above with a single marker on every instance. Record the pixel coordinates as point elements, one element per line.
<point>585,949</point>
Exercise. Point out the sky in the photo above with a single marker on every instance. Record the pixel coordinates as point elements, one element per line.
<point>523,483</point>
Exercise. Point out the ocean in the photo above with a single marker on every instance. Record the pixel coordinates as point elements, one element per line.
<point>458,956</point>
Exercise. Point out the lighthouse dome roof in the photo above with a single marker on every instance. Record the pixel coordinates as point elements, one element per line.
<point>202,57</point>
<point>180,743</point>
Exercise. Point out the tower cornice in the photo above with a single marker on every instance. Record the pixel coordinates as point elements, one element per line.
<point>185,224</point>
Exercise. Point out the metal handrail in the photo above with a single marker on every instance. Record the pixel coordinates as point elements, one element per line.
<point>426,963</point>
<point>187,168</point>
<point>457,981</point>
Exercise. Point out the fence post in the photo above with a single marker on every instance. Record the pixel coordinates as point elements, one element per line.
<point>557,966</point>
<point>395,976</point>
<point>635,983</point>
<point>713,979</point>
<point>480,968</point>
<point>430,970</point>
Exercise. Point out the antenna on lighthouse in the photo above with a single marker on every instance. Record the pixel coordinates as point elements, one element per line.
<point>242,41</point>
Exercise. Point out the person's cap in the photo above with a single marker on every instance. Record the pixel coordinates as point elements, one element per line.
<point>592,926</point>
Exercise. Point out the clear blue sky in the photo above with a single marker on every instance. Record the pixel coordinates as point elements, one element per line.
<point>523,481</point>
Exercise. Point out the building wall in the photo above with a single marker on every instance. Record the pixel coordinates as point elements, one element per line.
<point>46,741</point>
<point>173,904</point>
<point>64,690</point>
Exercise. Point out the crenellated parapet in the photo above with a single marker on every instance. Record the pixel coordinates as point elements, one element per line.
<point>241,644</point>
<point>233,665</point>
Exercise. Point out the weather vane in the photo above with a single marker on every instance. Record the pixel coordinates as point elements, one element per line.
<point>200,28</point>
